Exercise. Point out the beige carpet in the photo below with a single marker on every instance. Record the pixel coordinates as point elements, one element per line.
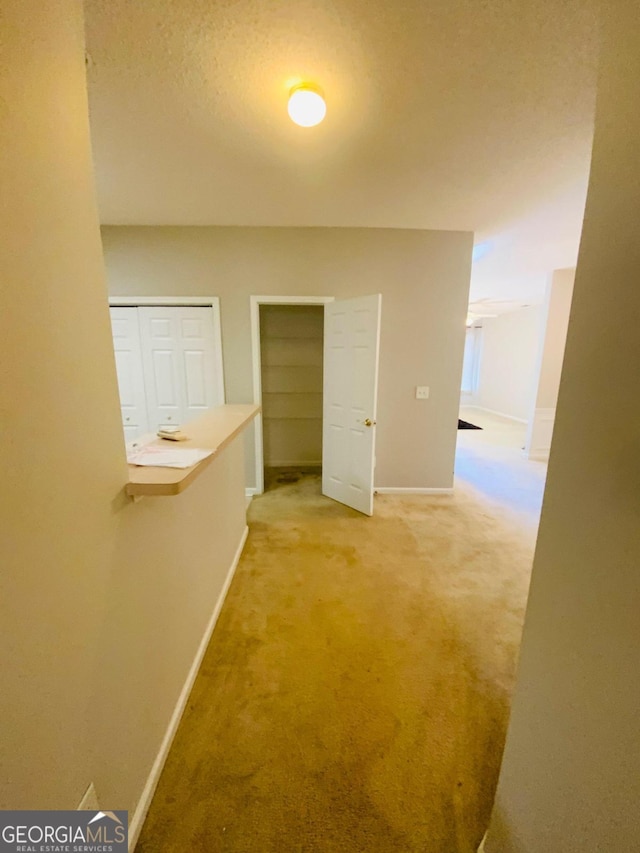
<point>354,697</point>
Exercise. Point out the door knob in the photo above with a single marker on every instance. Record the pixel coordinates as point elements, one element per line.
<point>369,422</point>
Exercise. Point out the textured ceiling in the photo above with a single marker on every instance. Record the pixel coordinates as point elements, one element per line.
<point>449,114</point>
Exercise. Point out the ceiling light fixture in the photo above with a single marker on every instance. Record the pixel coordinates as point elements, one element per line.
<point>306,105</point>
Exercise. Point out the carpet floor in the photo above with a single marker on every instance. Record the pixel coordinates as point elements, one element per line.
<point>492,463</point>
<point>355,694</point>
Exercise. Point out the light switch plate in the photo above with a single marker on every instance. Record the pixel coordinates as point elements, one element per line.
<point>422,392</point>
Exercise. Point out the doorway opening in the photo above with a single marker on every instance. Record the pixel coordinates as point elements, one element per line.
<point>291,356</point>
<point>348,394</point>
<point>288,346</point>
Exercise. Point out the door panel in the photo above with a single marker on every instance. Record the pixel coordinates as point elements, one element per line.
<point>130,433</point>
<point>196,341</point>
<point>160,355</point>
<point>196,391</point>
<point>128,355</point>
<point>179,362</point>
<point>160,328</point>
<point>193,327</point>
<point>164,374</point>
<point>352,342</point>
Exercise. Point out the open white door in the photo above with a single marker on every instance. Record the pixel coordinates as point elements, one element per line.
<point>351,349</point>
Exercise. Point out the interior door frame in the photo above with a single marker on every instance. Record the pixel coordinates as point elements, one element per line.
<point>212,302</point>
<point>256,363</point>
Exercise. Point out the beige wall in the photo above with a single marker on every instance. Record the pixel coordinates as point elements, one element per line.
<point>553,336</point>
<point>424,280</point>
<point>557,307</point>
<point>570,780</point>
<point>291,343</point>
<point>510,345</point>
<point>104,601</point>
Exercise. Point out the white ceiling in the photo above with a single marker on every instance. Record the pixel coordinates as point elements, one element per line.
<point>444,114</point>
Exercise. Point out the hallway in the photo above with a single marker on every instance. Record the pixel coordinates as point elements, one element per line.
<point>355,694</point>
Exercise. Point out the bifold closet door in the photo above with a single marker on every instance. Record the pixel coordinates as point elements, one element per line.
<point>178,354</point>
<point>128,352</point>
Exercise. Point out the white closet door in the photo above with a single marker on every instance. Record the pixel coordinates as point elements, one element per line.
<point>128,352</point>
<point>178,348</point>
<point>160,356</point>
<point>202,385</point>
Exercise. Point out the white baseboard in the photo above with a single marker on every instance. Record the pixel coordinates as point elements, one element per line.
<point>408,490</point>
<point>142,808</point>
<point>538,456</point>
<point>499,414</point>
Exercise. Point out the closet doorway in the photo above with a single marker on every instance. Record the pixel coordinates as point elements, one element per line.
<point>288,341</point>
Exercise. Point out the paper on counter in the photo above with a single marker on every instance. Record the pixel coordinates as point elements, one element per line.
<point>161,457</point>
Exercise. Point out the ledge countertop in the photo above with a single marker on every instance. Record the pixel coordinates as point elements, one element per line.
<point>211,431</point>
